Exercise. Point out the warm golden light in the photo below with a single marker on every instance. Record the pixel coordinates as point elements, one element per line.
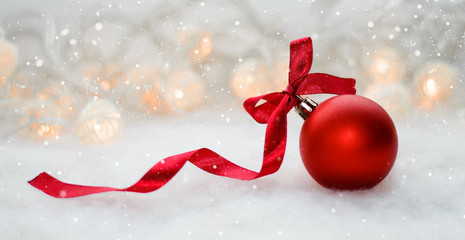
<point>203,48</point>
<point>44,119</point>
<point>431,89</point>
<point>41,131</point>
<point>20,86</point>
<point>99,122</point>
<point>151,100</point>
<point>281,75</point>
<point>104,78</point>
<point>8,59</point>
<point>3,86</point>
<point>393,97</point>
<point>142,89</point>
<point>386,65</point>
<point>105,85</point>
<point>250,79</point>
<point>437,81</point>
<point>41,121</point>
<point>57,96</point>
<point>184,90</point>
<point>178,94</point>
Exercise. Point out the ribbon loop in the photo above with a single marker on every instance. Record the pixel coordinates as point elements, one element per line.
<point>301,58</point>
<point>261,112</point>
<point>270,109</point>
<point>315,83</point>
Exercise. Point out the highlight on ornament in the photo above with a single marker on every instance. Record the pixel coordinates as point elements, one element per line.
<point>99,122</point>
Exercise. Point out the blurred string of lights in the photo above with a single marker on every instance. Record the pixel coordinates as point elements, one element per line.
<point>112,65</point>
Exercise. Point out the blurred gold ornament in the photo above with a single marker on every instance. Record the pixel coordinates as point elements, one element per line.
<point>99,122</point>
<point>437,82</point>
<point>41,121</point>
<point>203,48</point>
<point>250,79</point>
<point>142,91</point>
<point>8,59</point>
<point>386,65</point>
<point>151,100</point>
<point>393,97</point>
<point>184,90</point>
<point>42,131</point>
<point>44,119</point>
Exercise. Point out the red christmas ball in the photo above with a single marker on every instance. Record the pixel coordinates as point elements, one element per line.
<point>348,142</point>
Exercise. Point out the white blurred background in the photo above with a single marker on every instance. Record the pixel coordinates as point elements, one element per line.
<point>155,59</point>
<point>96,92</point>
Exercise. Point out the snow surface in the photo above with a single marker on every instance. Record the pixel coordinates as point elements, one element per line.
<point>422,198</point>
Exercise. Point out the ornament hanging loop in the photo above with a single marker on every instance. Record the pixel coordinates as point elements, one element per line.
<point>305,106</point>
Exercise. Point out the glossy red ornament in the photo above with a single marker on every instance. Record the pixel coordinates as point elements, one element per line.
<point>348,142</point>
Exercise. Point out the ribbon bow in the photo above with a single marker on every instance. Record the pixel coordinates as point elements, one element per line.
<point>300,83</point>
<point>272,112</point>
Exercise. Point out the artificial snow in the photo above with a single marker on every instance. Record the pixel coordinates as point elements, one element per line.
<point>422,198</point>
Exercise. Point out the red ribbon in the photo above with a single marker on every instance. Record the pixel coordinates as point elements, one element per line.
<point>272,112</point>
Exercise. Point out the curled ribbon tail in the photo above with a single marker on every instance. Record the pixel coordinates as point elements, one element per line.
<point>58,189</point>
<point>161,173</point>
<point>273,112</point>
